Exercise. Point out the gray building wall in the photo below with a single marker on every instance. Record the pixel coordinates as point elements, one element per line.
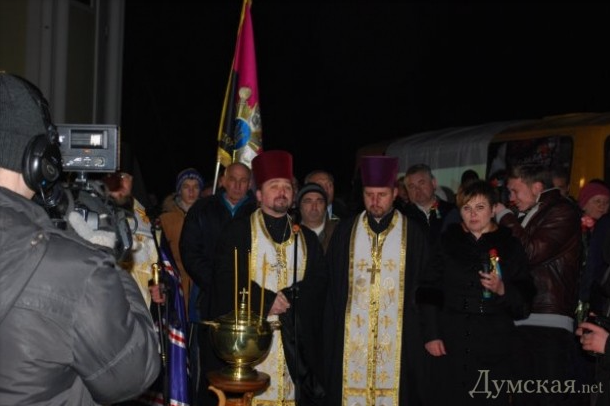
<point>72,50</point>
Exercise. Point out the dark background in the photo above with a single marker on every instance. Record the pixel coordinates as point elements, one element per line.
<point>335,76</point>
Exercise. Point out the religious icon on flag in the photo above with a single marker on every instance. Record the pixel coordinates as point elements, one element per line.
<point>240,132</point>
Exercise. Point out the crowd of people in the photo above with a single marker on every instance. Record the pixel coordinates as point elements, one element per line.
<point>417,297</point>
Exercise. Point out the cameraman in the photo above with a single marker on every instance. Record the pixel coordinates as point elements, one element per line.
<point>75,330</point>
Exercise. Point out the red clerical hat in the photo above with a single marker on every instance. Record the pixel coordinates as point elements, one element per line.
<point>379,171</point>
<point>271,165</point>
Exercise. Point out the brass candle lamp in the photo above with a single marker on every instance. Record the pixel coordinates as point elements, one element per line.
<point>242,340</point>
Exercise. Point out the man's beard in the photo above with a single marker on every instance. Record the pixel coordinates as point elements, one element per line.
<point>124,202</point>
<point>280,206</point>
<point>377,212</point>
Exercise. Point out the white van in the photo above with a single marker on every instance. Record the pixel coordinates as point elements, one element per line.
<point>577,143</point>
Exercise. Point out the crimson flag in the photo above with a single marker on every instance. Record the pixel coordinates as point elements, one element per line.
<point>240,132</point>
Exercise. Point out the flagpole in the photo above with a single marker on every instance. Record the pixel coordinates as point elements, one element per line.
<point>222,125</point>
<point>216,172</point>
<point>175,375</point>
<point>163,338</point>
<point>227,100</point>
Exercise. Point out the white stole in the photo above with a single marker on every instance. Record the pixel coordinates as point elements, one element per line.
<point>373,318</point>
<point>277,261</point>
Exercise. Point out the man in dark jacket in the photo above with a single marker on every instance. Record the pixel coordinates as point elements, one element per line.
<point>336,208</point>
<point>311,202</point>
<point>75,328</point>
<point>202,228</point>
<point>549,230</point>
<point>424,205</point>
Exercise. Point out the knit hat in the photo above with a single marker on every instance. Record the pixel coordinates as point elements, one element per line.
<point>188,173</point>
<point>21,119</point>
<point>590,190</point>
<point>309,188</point>
<point>379,171</point>
<point>271,165</point>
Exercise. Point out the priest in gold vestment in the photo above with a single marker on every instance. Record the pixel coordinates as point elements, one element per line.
<point>271,253</point>
<point>373,348</point>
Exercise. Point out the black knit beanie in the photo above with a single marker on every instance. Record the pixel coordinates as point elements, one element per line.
<point>21,119</point>
<point>311,187</point>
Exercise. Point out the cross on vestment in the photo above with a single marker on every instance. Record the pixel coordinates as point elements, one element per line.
<point>375,257</point>
<point>375,269</point>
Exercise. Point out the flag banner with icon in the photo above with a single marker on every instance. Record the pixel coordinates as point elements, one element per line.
<point>240,131</point>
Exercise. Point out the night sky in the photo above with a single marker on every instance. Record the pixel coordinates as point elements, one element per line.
<point>335,76</point>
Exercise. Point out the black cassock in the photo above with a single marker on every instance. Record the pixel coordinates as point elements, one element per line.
<point>412,379</point>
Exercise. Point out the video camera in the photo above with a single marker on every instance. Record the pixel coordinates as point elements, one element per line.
<point>89,149</point>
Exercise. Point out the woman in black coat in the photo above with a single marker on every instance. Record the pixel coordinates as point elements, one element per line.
<point>467,314</point>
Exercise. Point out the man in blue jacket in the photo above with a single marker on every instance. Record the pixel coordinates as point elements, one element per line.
<point>202,227</point>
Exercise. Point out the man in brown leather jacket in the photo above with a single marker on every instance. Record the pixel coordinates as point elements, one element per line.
<point>549,229</point>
